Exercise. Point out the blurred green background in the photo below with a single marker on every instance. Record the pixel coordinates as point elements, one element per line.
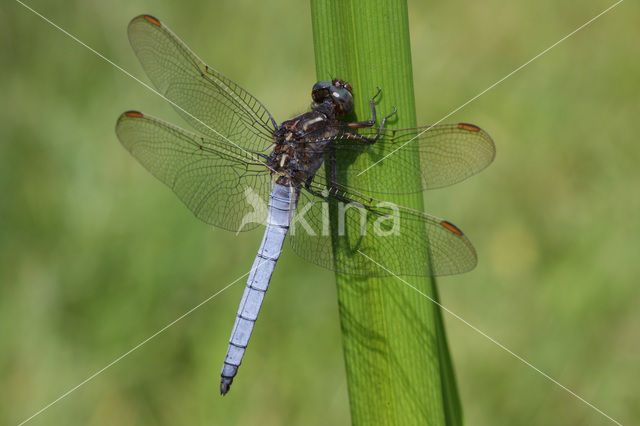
<point>96,255</point>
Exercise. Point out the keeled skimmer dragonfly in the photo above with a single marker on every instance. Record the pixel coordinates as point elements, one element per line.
<point>242,158</point>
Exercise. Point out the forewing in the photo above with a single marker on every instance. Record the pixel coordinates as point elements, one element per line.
<point>404,241</point>
<point>447,153</point>
<point>220,183</point>
<point>212,103</point>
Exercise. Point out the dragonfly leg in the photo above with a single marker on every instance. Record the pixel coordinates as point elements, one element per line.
<point>369,123</point>
<point>384,120</point>
<point>333,171</point>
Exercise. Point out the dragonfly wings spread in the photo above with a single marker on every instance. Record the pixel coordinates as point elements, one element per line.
<point>223,179</point>
<point>222,184</point>
<point>413,242</point>
<point>442,155</point>
<point>209,101</point>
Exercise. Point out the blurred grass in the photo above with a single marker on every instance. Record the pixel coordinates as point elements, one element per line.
<point>95,255</point>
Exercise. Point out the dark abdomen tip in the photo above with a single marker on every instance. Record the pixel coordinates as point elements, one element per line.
<point>225,385</point>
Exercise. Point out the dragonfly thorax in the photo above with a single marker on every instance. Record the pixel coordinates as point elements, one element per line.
<point>301,142</point>
<point>300,146</point>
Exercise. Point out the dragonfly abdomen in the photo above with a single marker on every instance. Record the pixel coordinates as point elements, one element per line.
<point>281,206</point>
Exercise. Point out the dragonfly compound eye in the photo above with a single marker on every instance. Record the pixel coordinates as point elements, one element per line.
<point>342,99</point>
<point>320,91</point>
<point>337,91</point>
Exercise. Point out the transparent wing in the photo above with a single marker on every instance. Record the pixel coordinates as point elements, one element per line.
<point>411,242</point>
<point>212,103</point>
<point>447,153</point>
<point>220,183</point>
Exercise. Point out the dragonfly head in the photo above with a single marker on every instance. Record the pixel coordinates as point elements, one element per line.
<point>336,92</point>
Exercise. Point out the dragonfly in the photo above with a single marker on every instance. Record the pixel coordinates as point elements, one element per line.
<point>241,169</point>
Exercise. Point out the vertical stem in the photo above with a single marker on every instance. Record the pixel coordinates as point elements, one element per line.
<point>398,366</point>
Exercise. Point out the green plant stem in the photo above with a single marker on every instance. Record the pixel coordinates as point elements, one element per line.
<point>398,366</point>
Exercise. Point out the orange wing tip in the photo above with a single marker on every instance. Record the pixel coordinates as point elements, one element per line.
<point>451,227</point>
<point>153,20</point>
<point>469,127</point>
<point>133,114</point>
